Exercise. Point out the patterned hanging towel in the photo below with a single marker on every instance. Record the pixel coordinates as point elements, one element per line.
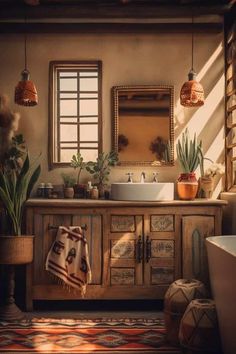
<point>68,258</point>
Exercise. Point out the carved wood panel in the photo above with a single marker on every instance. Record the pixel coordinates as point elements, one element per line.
<point>123,223</point>
<point>194,254</point>
<point>162,275</point>
<point>122,276</point>
<point>162,248</point>
<point>162,222</point>
<point>123,249</point>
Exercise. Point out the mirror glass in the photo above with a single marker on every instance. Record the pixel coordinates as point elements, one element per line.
<point>143,125</point>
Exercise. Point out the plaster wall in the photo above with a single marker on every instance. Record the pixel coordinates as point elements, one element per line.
<point>128,59</point>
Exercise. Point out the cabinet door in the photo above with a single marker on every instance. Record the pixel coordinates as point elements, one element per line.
<point>194,256</point>
<point>159,250</point>
<point>125,248</point>
<point>45,237</point>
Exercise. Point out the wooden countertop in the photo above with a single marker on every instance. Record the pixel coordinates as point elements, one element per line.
<point>40,202</point>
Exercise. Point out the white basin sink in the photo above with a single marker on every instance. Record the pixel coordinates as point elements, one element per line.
<point>142,191</point>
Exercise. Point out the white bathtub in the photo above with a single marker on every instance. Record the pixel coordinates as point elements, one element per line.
<point>221,251</point>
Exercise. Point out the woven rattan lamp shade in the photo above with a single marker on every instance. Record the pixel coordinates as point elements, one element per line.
<point>25,91</point>
<point>192,93</point>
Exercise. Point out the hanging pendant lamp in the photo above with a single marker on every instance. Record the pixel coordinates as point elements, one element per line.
<point>25,91</point>
<point>192,93</point>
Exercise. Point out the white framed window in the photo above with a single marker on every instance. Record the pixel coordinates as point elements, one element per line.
<point>75,119</point>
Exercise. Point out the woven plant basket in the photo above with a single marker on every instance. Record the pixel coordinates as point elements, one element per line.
<point>16,249</point>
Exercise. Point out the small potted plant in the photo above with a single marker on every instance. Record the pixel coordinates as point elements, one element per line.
<point>68,184</point>
<point>189,154</point>
<point>206,181</point>
<point>100,169</point>
<point>77,162</point>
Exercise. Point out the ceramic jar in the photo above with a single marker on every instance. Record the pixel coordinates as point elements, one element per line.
<point>187,186</point>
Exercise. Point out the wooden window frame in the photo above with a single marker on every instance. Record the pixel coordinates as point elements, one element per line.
<point>54,68</point>
<point>230,95</point>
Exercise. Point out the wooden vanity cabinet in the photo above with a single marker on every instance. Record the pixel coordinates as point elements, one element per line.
<point>142,245</point>
<point>136,249</point>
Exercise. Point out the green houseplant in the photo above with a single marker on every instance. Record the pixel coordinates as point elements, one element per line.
<point>189,153</point>
<point>77,162</point>
<point>17,179</point>
<point>101,168</point>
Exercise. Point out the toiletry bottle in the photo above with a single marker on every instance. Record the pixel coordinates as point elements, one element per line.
<point>41,190</point>
<point>48,190</point>
<point>94,192</point>
<point>88,190</point>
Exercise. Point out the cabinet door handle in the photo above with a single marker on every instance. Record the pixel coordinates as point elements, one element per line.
<point>148,249</point>
<point>139,250</point>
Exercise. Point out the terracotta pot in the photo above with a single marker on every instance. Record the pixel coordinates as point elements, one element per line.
<point>16,249</point>
<point>187,186</point>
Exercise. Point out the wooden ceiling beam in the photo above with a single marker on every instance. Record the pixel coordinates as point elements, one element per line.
<point>111,11</point>
<point>110,28</point>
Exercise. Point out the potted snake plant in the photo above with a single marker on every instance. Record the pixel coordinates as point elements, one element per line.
<point>189,153</point>
<point>17,179</point>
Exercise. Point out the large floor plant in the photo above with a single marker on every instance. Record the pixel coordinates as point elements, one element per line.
<point>17,179</point>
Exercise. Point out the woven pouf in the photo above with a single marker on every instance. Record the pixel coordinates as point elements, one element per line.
<point>178,296</point>
<point>198,332</point>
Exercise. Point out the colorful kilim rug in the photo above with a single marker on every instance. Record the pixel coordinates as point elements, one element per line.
<point>85,336</point>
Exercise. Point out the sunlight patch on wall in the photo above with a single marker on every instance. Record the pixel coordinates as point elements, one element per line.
<point>217,189</point>
<point>210,61</point>
<point>201,117</point>
<point>217,147</point>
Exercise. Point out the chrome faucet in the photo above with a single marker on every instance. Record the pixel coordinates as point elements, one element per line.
<point>155,174</point>
<point>130,180</point>
<point>142,178</point>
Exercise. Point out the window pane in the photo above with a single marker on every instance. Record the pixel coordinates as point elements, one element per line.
<point>88,95</point>
<point>68,73</point>
<point>68,95</point>
<point>68,132</point>
<point>88,107</point>
<point>89,155</point>
<point>68,84</point>
<point>88,73</point>
<point>68,107</point>
<point>68,120</point>
<point>66,155</point>
<point>88,119</point>
<point>86,145</point>
<point>69,145</point>
<point>88,84</point>
<point>89,132</point>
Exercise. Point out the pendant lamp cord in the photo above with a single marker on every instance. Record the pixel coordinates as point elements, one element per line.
<point>25,40</point>
<point>192,40</point>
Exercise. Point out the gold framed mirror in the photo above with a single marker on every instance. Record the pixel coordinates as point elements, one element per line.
<point>143,124</point>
